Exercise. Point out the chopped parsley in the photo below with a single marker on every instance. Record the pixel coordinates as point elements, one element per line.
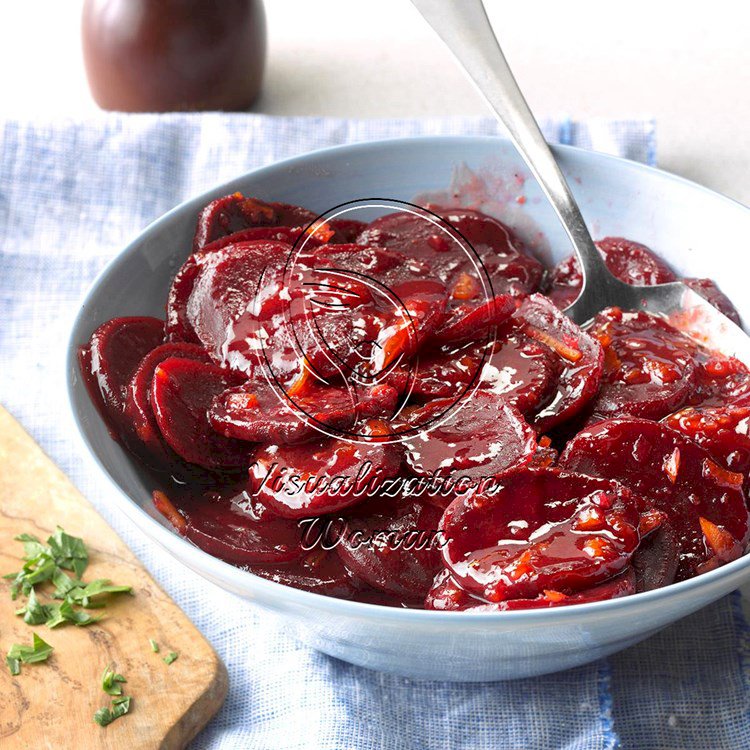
<point>112,682</point>
<point>154,645</point>
<point>48,562</point>
<point>19,654</point>
<point>120,706</point>
<point>171,657</point>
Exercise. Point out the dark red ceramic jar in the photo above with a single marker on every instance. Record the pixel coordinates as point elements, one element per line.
<point>168,55</point>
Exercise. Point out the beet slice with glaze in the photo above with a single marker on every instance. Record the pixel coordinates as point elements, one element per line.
<point>703,502</point>
<point>497,249</point>
<point>254,411</point>
<point>340,473</point>
<point>398,554</point>
<point>518,369</point>
<point>723,431</point>
<point>320,571</point>
<point>579,355</point>
<point>447,595</point>
<point>470,322</point>
<point>181,394</point>
<point>483,438</point>
<point>649,366</point>
<point>234,213</point>
<point>113,354</point>
<point>138,402</point>
<point>223,529</point>
<point>543,530</point>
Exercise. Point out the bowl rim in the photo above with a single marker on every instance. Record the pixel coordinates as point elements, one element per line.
<point>265,590</point>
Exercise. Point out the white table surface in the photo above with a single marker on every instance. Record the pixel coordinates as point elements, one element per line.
<point>684,63</point>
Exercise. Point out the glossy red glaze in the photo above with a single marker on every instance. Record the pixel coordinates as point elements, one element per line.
<point>543,530</point>
<point>429,397</point>
<point>674,475</point>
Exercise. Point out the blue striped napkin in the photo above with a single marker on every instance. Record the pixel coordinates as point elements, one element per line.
<point>71,195</point>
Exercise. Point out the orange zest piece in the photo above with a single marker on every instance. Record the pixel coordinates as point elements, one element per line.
<point>376,428</point>
<point>589,519</point>
<point>722,475</point>
<point>554,596</point>
<point>256,209</point>
<point>717,538</point>
<point>320,231</point>
<point>166,507</point>
<point>466,287</point>
<point>671,465</point>
<point>650,521</point>
<point>300,383</point>
<point>564,350</point>
<point>545,441</point>
<point>596,546</point>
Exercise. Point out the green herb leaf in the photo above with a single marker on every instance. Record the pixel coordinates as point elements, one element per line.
<point>120,706</point>
<point>154,645</point>
<point>171,657</point>
<point>68,551</point>
<point>34,613</point>
<point>66,612</point>
<point>32,547</point>
<point>111,682</point>
<point>96,588</point>
<point>18,653</point>
<point>64,584</point>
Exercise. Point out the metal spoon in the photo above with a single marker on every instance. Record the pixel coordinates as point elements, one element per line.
<point>464,27</point>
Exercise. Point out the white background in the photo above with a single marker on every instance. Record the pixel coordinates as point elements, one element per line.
<point>685,63</point>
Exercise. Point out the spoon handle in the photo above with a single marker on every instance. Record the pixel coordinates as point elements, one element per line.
<point>465,28</point>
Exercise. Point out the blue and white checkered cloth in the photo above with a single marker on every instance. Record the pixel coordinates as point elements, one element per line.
<point>71,195</point>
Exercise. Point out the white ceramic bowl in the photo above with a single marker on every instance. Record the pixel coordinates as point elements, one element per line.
<point>697,231</point>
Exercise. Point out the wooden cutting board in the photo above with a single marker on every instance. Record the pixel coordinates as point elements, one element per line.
<point>51,704</point>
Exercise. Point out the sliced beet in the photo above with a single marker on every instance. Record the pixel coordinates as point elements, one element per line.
<point>395,554</point>
<point>629,261</point>
<point>720,380</point>
<point>181,394</point>
<point>225,530</point>
<point>724,431</point>
<point>254,411</point>
<point>288,235</point>
<point>228,282</point>
<point>543,530</point>
<point>482,438</point>
<point>702,501</point>
<point>469,322</point>
<point>517,368</point>
<point>709,290</point>
<point>138,409</point>
<point>649,366</point>
<point>402,291</point>
<point>234,213</point>
<point>579,356</point>
<point>326,475</point>
<point>447,595</point>
<point>496,249</point>
<point>320,571</point>
<point>113,355</point>
<point>178,326</point>
<point>656,560</point>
